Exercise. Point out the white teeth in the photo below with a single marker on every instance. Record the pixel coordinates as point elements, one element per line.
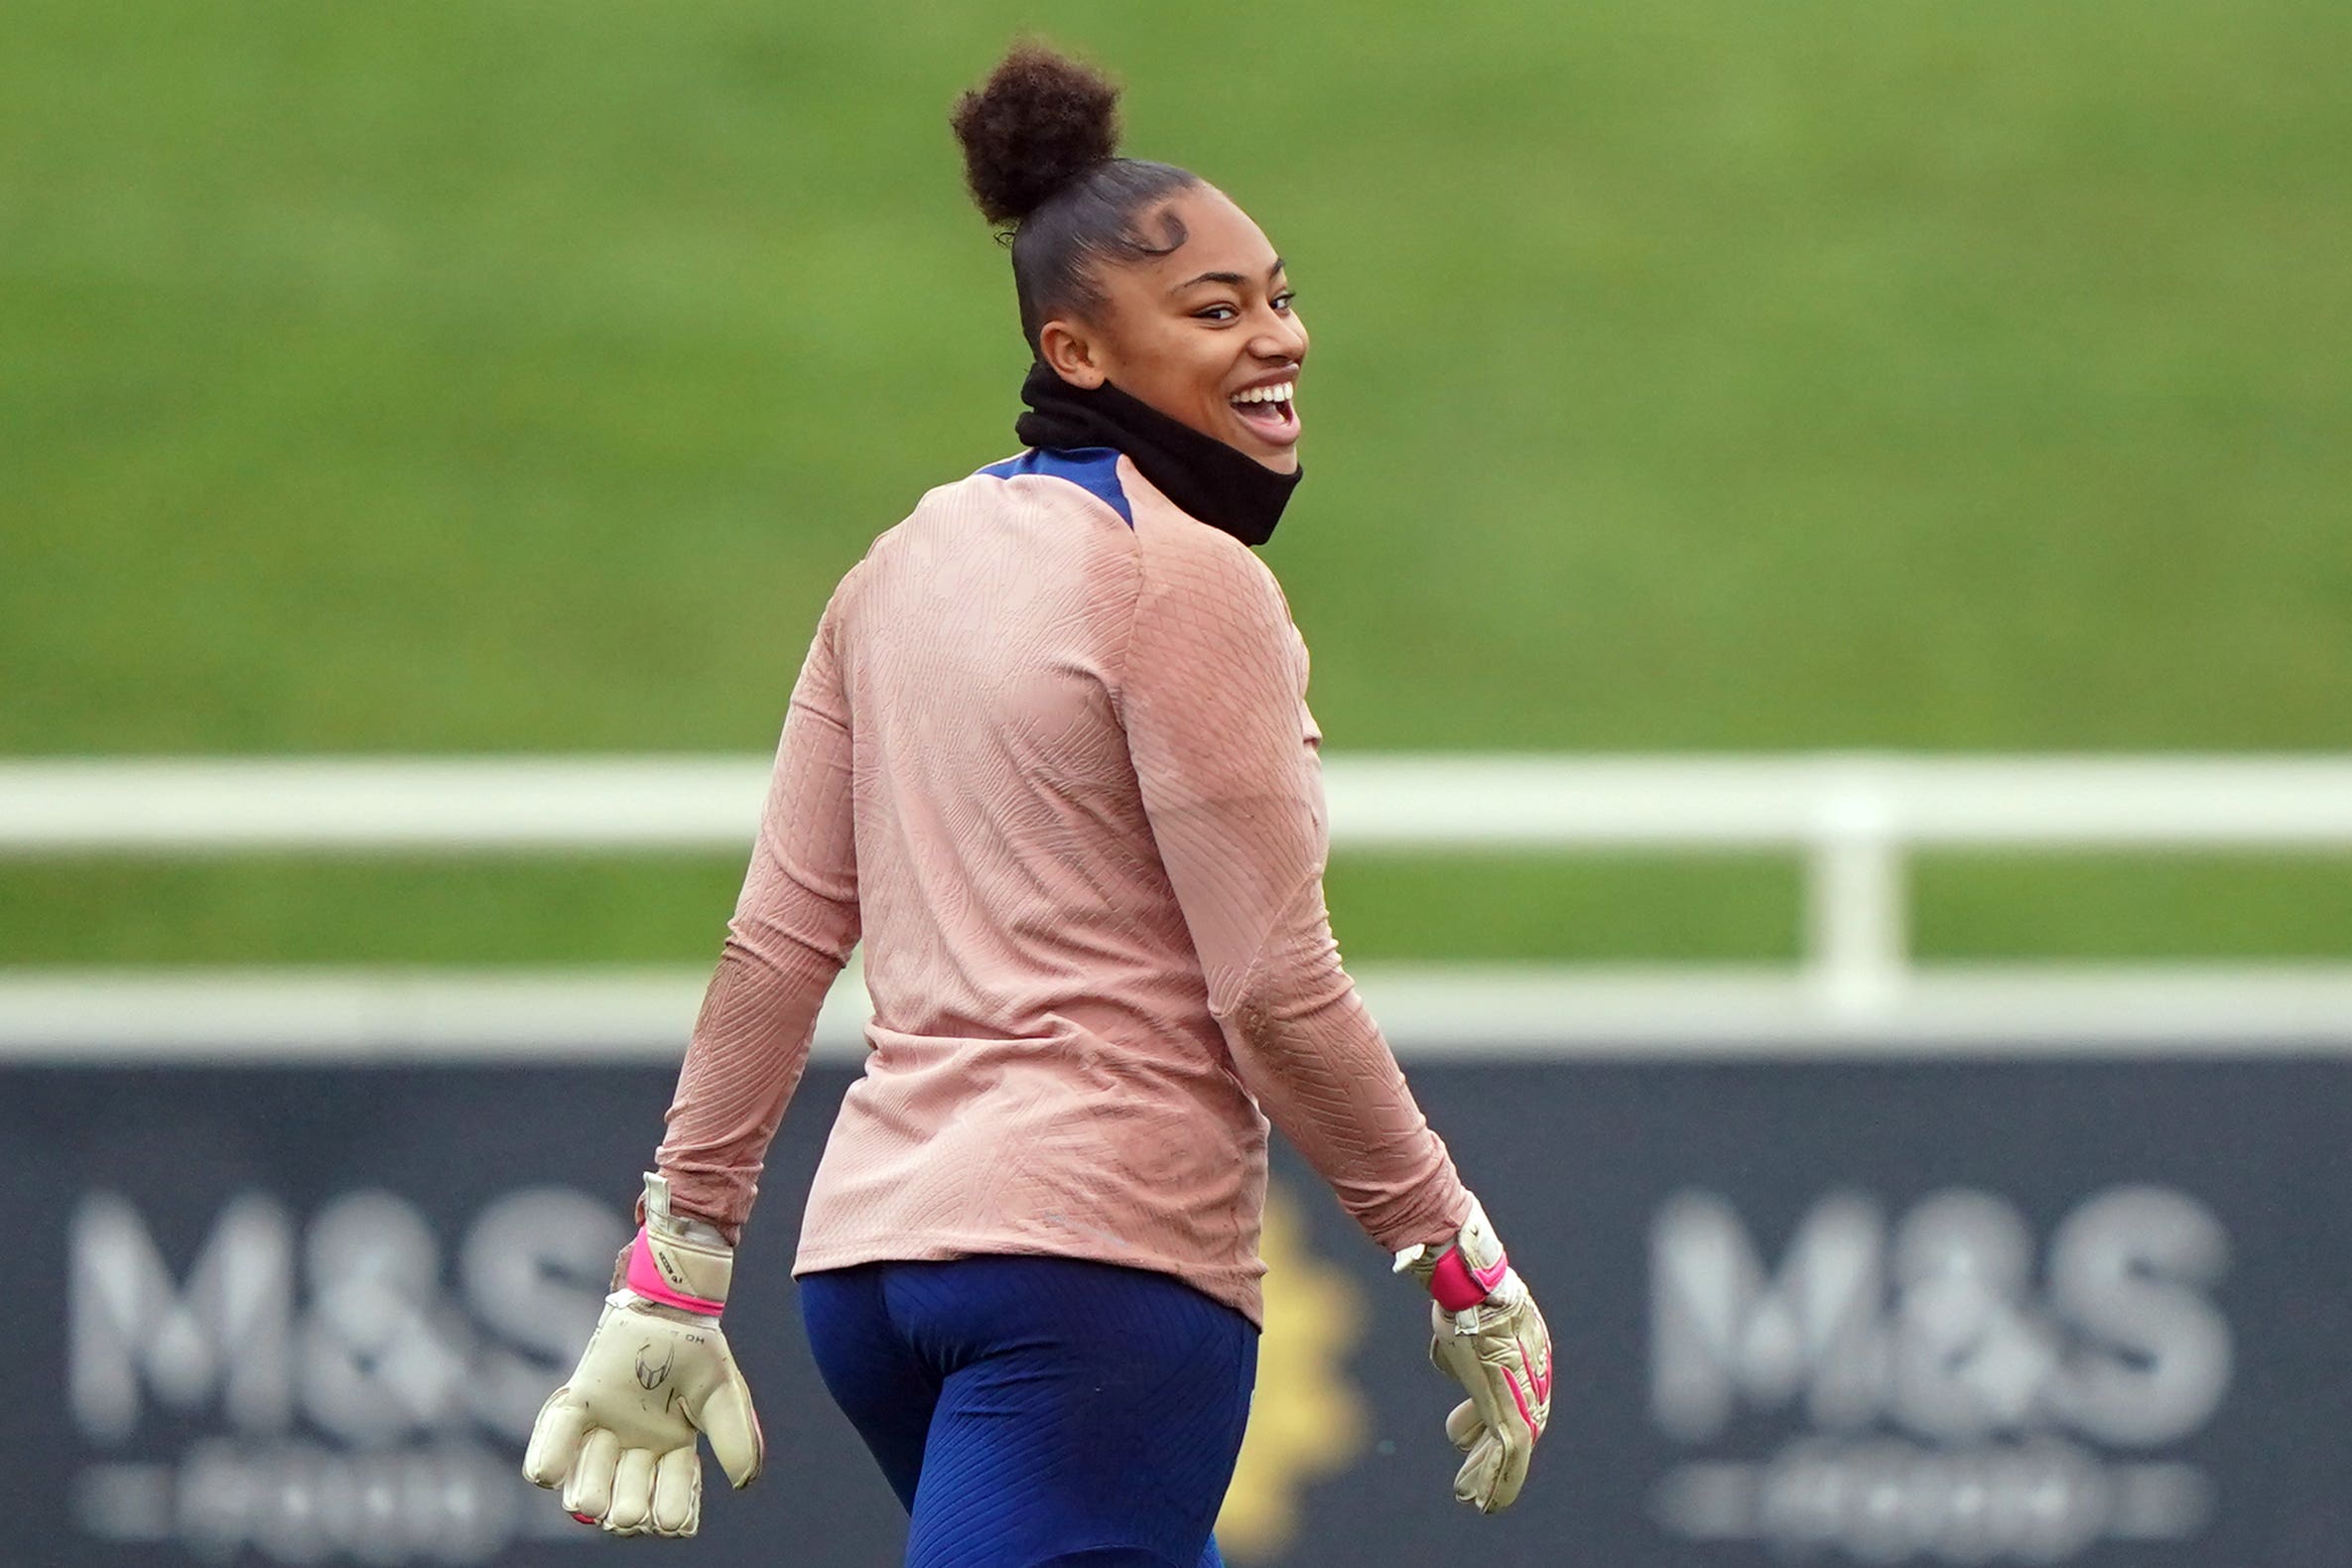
<point>1274,394</point>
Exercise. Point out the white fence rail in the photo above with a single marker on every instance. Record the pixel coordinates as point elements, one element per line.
<point>1853,819</point>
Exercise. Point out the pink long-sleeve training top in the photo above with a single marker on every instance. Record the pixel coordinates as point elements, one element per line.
<point>1056,767</point>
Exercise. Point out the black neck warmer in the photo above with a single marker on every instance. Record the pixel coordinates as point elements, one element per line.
<point>1220,485</point>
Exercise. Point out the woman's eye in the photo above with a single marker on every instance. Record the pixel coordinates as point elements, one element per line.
<point>1285,300</point>
<point>1217,312</point>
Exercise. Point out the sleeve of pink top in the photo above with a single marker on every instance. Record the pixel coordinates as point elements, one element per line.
<point>793,928</point>
<point>1214,697</point>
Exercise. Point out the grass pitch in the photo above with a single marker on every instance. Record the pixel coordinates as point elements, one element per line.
<point>1688,375</point>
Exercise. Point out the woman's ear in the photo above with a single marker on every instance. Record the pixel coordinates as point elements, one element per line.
<point>1072,349</point>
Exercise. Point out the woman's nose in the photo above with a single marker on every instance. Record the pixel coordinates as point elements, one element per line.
<point>1280,337</point>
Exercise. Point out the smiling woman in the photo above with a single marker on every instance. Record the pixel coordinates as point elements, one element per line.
<point>1218,348</point>
<point>1050,759</point>
<point>1133,274</point>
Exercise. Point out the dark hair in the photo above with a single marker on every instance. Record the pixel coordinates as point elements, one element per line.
<point>1041,155</point>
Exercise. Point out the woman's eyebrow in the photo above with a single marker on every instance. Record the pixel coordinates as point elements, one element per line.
<point>1232,280</point>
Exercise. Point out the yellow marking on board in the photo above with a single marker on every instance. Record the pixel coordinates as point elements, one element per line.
<point>1306,1419</point>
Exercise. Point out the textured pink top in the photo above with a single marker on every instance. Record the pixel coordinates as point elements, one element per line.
<point>1059,772</point>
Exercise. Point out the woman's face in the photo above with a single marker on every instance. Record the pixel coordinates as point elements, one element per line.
<point>1205,333</point>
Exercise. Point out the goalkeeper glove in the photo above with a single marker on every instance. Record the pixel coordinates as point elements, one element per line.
<point>618,1439</point>
<point>1486,1336</point>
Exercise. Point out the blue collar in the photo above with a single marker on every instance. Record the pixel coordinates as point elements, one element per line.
<point>1094,469</point>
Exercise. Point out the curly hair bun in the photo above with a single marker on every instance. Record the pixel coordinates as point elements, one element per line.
<point>1040,121</point>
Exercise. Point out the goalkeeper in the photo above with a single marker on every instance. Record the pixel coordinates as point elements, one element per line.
<point>1050,757</point>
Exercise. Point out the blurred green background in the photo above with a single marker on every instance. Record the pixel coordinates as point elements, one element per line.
<point>1688,375</point>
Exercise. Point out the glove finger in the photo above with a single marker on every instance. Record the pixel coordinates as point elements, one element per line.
<point>555,1439</point>
<point>589,1490</point>
<point>632,1492</point>
<point>1491,1478</point>
<point>725,1418</point>
<point>1476,1473</point>
<point>1488,1391</point>
<point>1458,1359</point>
<point>1510,1473</point>
<point>1474,1483</point>
<point>1464,1425</point>
<point>678,1491</point>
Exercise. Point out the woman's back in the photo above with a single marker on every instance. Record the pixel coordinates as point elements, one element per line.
<point>1005,861</point>
<point>1046,1074</point>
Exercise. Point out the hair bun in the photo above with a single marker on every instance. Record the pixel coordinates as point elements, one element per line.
<point>1040,121</point>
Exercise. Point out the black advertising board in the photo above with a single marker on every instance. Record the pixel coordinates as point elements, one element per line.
<point>2091,1311</point>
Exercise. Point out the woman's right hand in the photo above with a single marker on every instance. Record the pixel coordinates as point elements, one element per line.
<point>1486,1334</point>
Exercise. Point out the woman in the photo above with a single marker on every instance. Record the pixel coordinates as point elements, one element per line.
<point>1050,757</point>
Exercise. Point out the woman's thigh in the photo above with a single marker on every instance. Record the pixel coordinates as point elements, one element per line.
<point>1087,1414</point>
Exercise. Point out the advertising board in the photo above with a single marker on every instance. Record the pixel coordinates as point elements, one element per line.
<point>2093,1310</point>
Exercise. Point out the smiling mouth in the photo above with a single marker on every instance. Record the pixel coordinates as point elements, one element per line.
<point>1270,413</point>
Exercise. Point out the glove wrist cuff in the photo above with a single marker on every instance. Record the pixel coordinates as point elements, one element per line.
<point>1466,1271</point>
<point>666,1274</point>
<point>1457,1285</point>
<point>677,1261</point>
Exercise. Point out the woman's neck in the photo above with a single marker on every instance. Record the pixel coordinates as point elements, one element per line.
<point>1220,485</point>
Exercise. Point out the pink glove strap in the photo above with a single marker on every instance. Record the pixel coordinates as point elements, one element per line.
<point>646,1280</point>
<point>1456,1285</point>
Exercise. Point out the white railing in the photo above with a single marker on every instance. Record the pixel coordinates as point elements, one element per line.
<point>1853,819</point>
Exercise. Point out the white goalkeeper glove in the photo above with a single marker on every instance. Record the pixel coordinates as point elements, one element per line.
<point>618,1439</point>
<point>1486,1335</point>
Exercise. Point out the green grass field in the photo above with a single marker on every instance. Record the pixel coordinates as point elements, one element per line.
<point>1689,374</point>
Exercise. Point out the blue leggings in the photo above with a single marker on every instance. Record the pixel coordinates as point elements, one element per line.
<point>1039,1410</point>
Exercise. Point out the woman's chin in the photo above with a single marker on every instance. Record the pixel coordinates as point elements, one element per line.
<point>1276,449</point>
